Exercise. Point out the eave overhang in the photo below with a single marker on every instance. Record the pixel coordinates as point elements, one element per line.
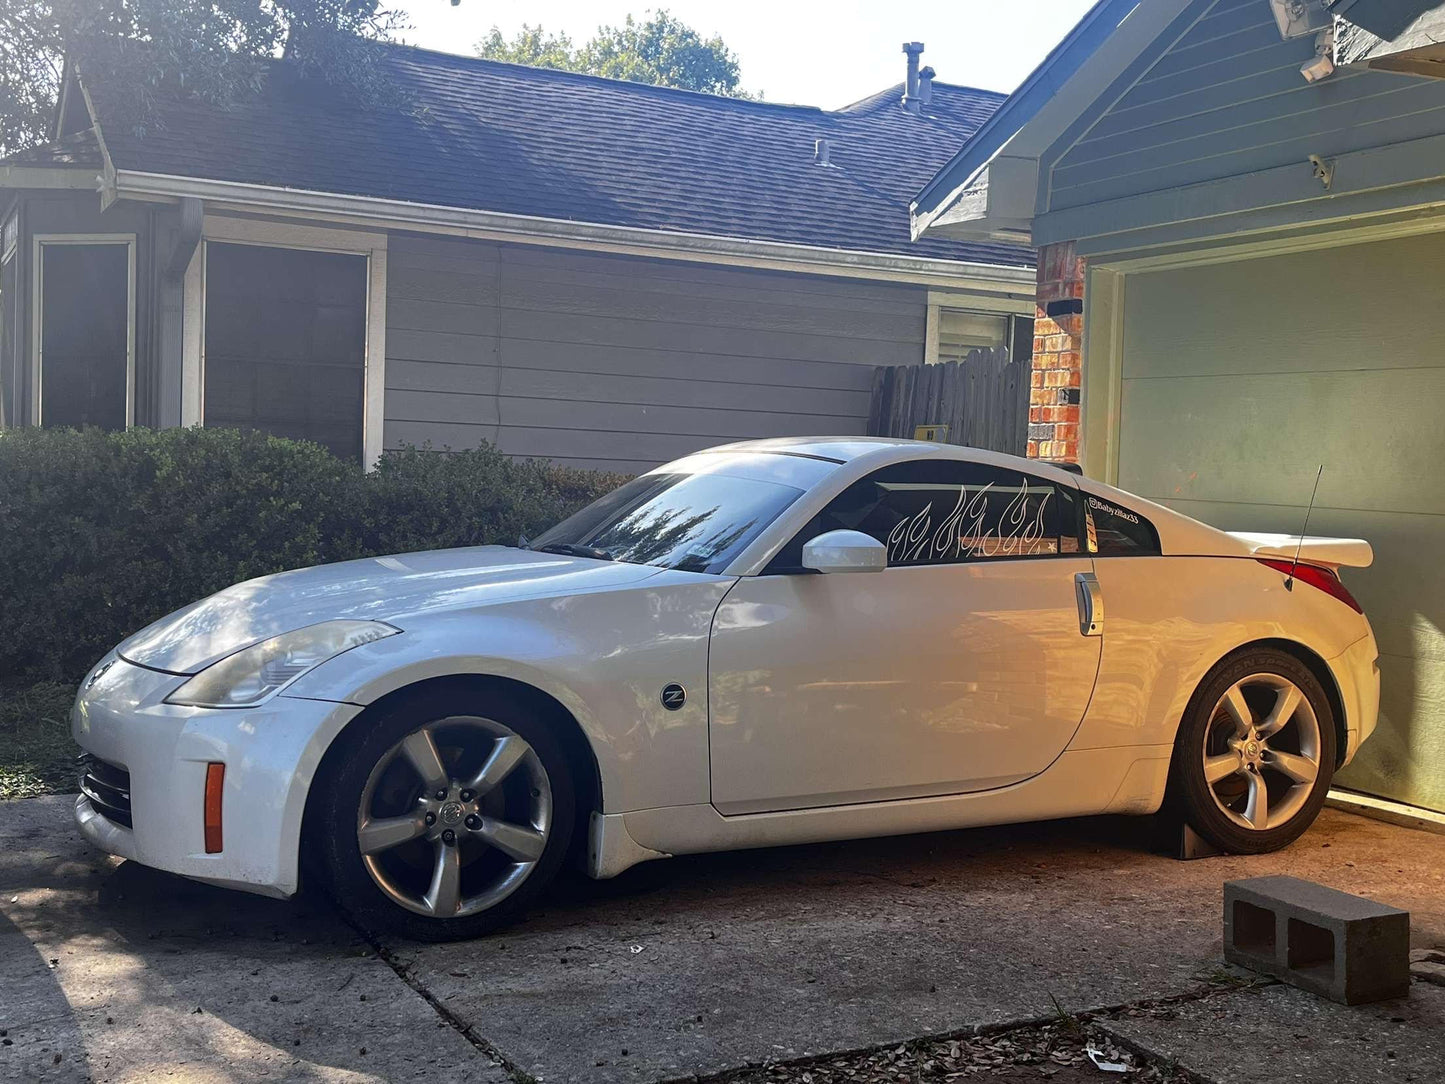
<point>1418,49</point>
<point>990,190</point>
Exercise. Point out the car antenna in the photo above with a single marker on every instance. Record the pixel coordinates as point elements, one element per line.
<point>1289,580</point>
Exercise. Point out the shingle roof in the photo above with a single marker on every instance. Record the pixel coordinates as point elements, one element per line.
<point>78,151</point>
<point>503,137</point>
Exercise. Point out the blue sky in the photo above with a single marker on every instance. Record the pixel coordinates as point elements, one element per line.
<point>816,53</point>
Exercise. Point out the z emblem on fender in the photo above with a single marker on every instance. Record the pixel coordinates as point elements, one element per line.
<point>674,696</point>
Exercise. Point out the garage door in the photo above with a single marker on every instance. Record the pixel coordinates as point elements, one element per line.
<point>1240,379</point>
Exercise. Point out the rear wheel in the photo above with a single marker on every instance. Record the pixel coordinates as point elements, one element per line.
<point>1255,752</point>
<point>446,817</point>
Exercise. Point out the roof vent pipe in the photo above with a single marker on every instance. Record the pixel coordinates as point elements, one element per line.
<point>925,85</point>
<point>913,49</point>
<point>820,152</point>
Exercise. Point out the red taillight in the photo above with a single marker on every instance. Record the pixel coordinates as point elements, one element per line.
<point>1315,576</point>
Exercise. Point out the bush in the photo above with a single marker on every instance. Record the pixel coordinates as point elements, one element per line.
<point>102,533</point>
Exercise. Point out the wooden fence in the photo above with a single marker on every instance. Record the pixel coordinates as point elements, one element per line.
<point>983,400</point>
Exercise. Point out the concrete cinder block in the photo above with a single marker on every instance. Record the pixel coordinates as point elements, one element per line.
<point>1343,947</point>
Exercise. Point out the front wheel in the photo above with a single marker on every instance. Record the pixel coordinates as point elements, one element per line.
<point>1255,752</point>
<point>445,817</point>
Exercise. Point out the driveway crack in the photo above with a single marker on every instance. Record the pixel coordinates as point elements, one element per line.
<point>451,1019</point>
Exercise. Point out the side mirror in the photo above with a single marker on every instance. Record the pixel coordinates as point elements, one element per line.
<point>845,551</point>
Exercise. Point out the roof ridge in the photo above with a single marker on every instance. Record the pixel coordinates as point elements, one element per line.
<point>629,85</point>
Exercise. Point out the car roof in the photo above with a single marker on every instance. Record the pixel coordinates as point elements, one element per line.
<point>879,451</point>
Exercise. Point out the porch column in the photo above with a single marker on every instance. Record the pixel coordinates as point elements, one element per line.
<point>1058,341</point>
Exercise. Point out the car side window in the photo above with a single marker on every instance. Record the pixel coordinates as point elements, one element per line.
<point>941,511</point>
<point>1114,531</point>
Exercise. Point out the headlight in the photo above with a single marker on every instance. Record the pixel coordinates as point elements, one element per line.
<point>261,670</point>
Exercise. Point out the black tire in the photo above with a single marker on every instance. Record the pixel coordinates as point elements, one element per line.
<point>1192,796</point>
<point>336,851</point>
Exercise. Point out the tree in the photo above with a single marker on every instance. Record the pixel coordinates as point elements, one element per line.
<point>663,51</point>
<point>212,49</point>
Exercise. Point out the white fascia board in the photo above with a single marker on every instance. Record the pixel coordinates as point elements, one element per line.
<point>996,205</point>
<point>49,177</point>
<point>534,230</point>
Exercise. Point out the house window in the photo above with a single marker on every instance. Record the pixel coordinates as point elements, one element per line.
<point>285,343</point>
<point>84,353</point>
<point>960,332</point>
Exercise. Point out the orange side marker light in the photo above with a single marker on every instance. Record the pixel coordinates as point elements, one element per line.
<point>215,778</point>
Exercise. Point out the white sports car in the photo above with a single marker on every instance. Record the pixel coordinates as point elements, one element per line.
<point>772,642</point>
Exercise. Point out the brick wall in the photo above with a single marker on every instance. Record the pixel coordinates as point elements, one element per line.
<point>1058,341</point>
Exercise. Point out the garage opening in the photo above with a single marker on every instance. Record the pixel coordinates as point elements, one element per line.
<point>285,343</point>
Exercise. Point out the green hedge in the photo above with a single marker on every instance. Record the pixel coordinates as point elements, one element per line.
<point>102,533</point>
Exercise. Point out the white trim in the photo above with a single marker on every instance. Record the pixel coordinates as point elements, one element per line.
<point>930,332</point>
<point>37,290</point>
<point>49,177</point>
<point>1102,382</point>
<point>535,230</point>
<point>1383,809</point>
<point>1411,222</point>
<point>1012,306</point>
<point>193,320</point>
<point>265,234</point>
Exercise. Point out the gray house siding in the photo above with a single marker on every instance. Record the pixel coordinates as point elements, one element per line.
<point>618,363</point>
<point>1223,101</point>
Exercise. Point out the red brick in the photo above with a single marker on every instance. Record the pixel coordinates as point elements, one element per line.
<point>1033,449</point>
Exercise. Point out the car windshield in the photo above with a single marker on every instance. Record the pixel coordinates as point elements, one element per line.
<point>692,522</point>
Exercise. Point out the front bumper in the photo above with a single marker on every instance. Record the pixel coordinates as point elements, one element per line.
<point>270,753</point>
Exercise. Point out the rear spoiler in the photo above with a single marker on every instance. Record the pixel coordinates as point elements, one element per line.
<point>1312,549</point>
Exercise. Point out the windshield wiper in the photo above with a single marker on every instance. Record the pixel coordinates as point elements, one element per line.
<point>572,549</point>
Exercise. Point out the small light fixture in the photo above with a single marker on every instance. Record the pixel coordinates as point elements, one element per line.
<point>1322,64</point>
<point>1296,18</point>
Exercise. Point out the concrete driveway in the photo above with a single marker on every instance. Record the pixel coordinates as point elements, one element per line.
<point>689,967</point>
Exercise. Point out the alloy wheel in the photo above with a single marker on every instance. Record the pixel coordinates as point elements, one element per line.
<point>454,817</point>
<point>1262,751</point>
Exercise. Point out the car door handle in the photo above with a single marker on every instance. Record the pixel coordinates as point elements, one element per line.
<point>1090,597</point>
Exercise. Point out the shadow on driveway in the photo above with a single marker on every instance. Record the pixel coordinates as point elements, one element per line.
<point>688,966</point>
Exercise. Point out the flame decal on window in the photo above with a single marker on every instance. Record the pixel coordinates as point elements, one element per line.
<point>962,535</point>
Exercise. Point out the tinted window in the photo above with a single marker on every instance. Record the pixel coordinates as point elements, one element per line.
<point>693,522</point>
<point>939,511</point>
<point>1120,532</point>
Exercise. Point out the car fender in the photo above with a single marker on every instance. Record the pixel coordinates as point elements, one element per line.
<point>605,656</point>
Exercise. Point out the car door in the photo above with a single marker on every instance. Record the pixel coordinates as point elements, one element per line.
<point>962,666</point>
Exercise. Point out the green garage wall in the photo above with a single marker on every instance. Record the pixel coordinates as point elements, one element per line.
<point>1239,379</point>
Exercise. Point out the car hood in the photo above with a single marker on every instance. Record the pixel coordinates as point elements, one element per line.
<point>378,588</point>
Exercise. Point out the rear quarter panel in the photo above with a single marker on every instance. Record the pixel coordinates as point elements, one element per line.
<point>1168,620</point>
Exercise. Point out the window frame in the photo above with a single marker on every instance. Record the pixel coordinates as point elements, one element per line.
<point>306,238</point>
<point>772,568</point>
<point>1008,308</point>
<point>37,314</point>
